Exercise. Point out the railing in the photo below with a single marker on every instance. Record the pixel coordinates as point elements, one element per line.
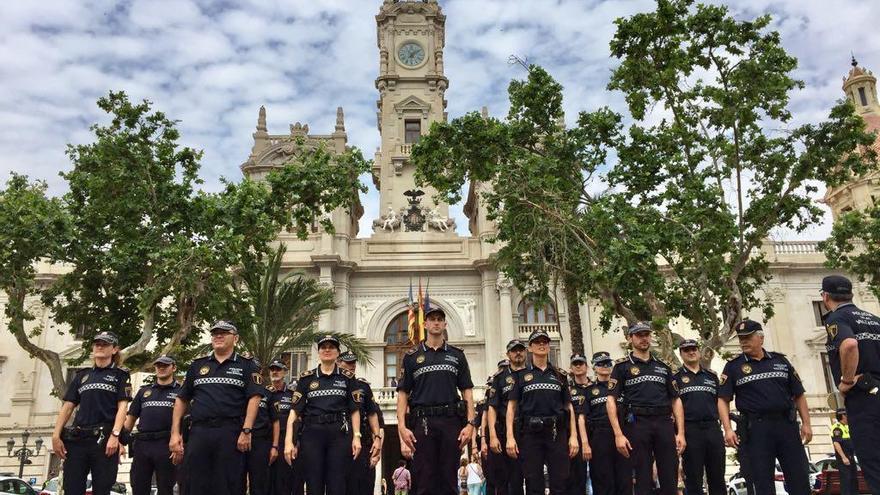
<point>386,397</point>
<point>525,329</point>
<point>796,247</point>
<point>406,149</point>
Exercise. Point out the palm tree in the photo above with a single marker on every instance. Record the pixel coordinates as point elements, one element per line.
<point>281,311</point>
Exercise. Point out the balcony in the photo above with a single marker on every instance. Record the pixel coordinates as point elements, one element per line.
<point>525,329</point>
<point>405,149</point>
<point>386,397</point>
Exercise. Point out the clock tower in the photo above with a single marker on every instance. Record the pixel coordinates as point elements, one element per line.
<point>412,88</point>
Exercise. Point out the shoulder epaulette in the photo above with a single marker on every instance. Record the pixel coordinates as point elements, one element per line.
<point>455,347</point>
<point>270,388</point>
<point>291,387</point>
<point>621,360</point>
<point>362,379</point>
<point>308,372</point>
<point>122,368</point>
<point>711,371</point>
<point>414,349</point>
<point>348,374</point>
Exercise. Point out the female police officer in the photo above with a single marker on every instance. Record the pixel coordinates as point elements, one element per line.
<point>328,400</point>
<point>541,403</point>
<point>102,393</point>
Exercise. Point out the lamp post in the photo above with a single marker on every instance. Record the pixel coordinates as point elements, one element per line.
<point>23,453</point>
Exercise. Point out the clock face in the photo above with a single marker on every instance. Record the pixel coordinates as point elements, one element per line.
<point>411,54</point>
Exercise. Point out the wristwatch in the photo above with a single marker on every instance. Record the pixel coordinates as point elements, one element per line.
<point>115,433</point>
<point>848,382</point>
<point>247,430</point>
<point>474,422</point>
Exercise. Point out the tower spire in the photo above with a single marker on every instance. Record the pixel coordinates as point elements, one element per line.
<point>261,120</point>
<point>340,120</point>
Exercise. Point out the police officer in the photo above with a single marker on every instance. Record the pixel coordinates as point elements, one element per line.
<point>153,408</point>
<point>224,391</point>
<point>507,471</point>
<point>578,383</point>
<point>362,477</point>
<point>767,389</point>
<point>328,398</point>
<point>612,471</point>
<point>545,432</point>
<point>280,401</point>
<point>843,451</point>
<point>91,444</point>
<point>698,389</point>
<point>648,434</point>
<point>261,456</point>
<point>440,424</point>
<point>854,354</point>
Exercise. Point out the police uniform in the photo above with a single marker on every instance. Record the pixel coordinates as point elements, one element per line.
<point>97,392</point>
<point>280,401</point>
<point>764,390</point>
<point>153,406</point>
<point>325,403</point>
<point>542,423</point>
<point>433,378</point>
<point>218,394</point>
<point>611,473</point>
<point>505,470</point>
<point>863,400</point>
<point>362,477</point>
<point>849,475</point>
<point>650,390</point>
<point>577,471</point>
<point>705,441</point>
<point>256,460</point>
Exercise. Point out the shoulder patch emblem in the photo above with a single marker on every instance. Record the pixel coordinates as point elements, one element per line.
<point>685,379</point>
<point>307,373</point>
<point>314,385</point>
<point>358,396</point>
<point>296,397</point>
<point>634,370</point>
<point>595,391</point>
<point>420,359</point>
<point>147,393</point>
<point>612,383</point>
<point>257,378</point>
<point>746,368</point>
<point>270,388</point>
<point>85,378</point>
<point>723,379</point>
<point>832,330</point>
<point>346,373</point>
<point>528,377</point>
<point>509,379</point>
<point>838,432</point>
<point>204,370</point>
<point>573,391</point>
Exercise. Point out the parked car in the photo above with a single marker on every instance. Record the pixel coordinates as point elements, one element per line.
<point>50,487</point>
<point>828,478</point>
<point>15,486</point>
<point>737,484</point>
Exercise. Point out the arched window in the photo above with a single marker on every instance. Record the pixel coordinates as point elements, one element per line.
<point>396,344</point>
<point>531,314</point>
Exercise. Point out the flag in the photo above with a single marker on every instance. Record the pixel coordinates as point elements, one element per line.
<point>421,313</point>
<point>427,306</point>
<point>411,315</point>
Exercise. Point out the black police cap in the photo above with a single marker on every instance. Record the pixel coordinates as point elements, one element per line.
<point>348,357</point>
<point>164,359</point>
<point>327,338</point>
<point>224,326</point>
<point>578,358</point>
<point>108,337</point>
<point>278,364</point>
<point>748,327</point>
<point>686,343</point>
<point>537,334</point>
<point>601,357</point>
<point>638,328</point>
<point>837,285</point>
<point>514,343</point>
<point>437,310</point>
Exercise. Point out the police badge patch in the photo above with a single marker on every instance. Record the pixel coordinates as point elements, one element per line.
<point>685,379</point>
<point>722,380</point>
<point>204,370</point>
<point>528,377</point>
<point>314,385</point>
<point>148,393</point>
<point>420,359</point>
<point>85,378</point>
<point>296,397</point>
<point>595,391</point>
<point>257,378</point>
<point>509,379</point>
<point>746,369</point>
<point>612,383</point>
<point>358,396</point>
<point>634,371</point>
<point>832,330</point>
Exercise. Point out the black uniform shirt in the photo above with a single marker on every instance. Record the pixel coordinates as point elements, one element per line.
<point>768,385</point>
<point>644,383</point>
<point>368,405</point>
<point>540,393</point>
<point>281,402</point>
<point>434,377</point>
<point>154,405</point>
<point>594,407</point>
<point>850,322</point>
<point>499,391</point>
<point>318,393</point>
<point>846,445</point>
<point>97,392</point>
<point>578,392</point>
<point>698,392</point>
<point>265,412</point>
<point>221,390</point>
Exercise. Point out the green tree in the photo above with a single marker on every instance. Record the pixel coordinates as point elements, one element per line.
<point>279,312</point>
<point>35,229</point>
<point>854,245</point>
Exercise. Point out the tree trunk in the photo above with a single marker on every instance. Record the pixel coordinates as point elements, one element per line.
<point>52,359</point>
<point>574,319</point>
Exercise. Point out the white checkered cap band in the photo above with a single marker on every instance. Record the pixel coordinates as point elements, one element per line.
<point>330,392</point>
<point>435,367</point>
<point>645,378</point>
<point>218,380</point>
<point>158,403</point>
<point>532,387</point>
<point>698,388</point>
<point>97,386</point>
<point>762,376</point>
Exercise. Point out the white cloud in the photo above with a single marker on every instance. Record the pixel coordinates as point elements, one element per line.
<point>212,64</point>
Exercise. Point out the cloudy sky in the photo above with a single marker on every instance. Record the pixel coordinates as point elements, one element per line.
<point>211,64</point>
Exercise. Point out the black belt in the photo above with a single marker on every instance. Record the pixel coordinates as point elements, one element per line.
<point>324,418</point>
<point>651,410</point>
<point>751,416</point>
<point>152,435</point>
<point>89,431</point>
<point>217,422</point>
<point>444,410</point>
<point>541,423</point>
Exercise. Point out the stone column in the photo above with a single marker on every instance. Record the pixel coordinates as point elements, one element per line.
<point>506,308</point>
<point>325,321</point>
<point>494,345</point>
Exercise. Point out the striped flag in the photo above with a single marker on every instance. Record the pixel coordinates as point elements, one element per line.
<point>421,313</point>
<point>411,315</point>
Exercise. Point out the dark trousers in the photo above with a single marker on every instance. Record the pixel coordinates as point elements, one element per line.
<point>505,470</point>
<point>653,440</point>
<point>577,476</point>
<point>776,438</point>
<point>280,472</point>
<point>705,451</point>
<point>325,452</point>
<point>84,456</point>
<point>213,462</point>
<point>435,462</point>
<point>256,463</point>
<point>849,476</point>
<point>361,478</point>
<point>610,472</point>
<point>539,448</point>
<point>151,457</point>
<point>863,411</point>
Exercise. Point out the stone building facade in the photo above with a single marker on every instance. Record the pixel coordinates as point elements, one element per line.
<point>414,241</point>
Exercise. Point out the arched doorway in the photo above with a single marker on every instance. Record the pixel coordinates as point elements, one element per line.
<point>396,344</point>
